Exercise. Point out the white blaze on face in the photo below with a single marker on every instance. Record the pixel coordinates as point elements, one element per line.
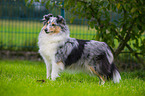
<point>53,19</point>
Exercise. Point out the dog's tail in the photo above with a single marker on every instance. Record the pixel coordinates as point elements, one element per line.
<point>115,75</point>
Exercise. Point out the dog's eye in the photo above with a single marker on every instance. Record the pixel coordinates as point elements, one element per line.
<point>53,24</point>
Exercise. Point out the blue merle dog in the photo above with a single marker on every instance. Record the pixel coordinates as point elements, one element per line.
<point>59,51</point>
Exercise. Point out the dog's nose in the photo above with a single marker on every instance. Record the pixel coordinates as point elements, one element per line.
<point>45,29</point>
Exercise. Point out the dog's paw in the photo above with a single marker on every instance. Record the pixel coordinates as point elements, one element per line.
<point>54,76</point>
<point>101,82</point>
<point>47,77</point>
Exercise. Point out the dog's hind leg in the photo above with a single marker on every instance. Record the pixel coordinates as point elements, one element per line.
<point>102,81</point>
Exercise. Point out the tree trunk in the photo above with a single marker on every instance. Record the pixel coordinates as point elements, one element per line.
<point>122,45</point>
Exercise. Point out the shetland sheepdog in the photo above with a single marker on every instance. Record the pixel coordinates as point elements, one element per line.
<point>59,51</point>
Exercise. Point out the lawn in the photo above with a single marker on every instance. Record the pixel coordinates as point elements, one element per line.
<point>19,78</point>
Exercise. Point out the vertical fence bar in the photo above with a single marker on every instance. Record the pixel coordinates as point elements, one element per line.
<point>62,10</point>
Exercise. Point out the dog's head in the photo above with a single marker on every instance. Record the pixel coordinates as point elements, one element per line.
<point>54,25</point>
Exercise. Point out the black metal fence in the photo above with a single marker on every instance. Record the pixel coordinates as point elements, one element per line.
<point>21,24</point>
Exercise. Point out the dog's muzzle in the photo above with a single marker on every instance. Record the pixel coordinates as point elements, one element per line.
<point>46,31</point>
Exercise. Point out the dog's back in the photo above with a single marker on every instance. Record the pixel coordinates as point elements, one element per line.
<point>88,53</point>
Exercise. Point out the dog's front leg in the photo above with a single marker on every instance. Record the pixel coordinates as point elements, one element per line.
<point>55,70</point>
<point>48,67</point>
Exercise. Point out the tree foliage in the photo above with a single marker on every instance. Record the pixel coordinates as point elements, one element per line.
<point>123,20</point>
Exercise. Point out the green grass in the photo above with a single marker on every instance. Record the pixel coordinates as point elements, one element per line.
<point>19,78</point>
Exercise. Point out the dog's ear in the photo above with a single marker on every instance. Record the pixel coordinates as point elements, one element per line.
<point>47,17</point>
<point>61,20</point>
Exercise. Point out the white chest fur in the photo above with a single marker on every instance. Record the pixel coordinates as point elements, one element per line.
<point>48,44</point>
<point>48,49</point>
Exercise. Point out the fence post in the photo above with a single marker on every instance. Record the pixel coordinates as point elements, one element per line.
<point>62,10</point>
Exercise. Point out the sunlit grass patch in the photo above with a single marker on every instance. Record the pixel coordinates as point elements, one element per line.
<point>19,78</point>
